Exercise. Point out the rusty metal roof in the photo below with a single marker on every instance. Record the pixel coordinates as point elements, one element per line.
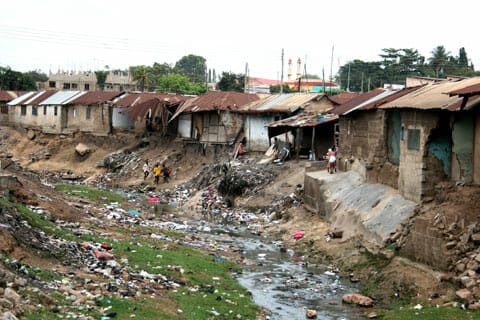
<point>282,102</point>
<point>343,97</point>
<point>7,95</point>
<point>466,91</point>
<point>156,106</point>
<point>134,98</point>
<point>358,100</point>
<point>303,120</point>
<point>434,96</point>
<point>219,100</point>
<point>95,97</point>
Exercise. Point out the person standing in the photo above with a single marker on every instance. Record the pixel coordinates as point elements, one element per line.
<point>166,173</point>
<point>156,173</point>
<point>146,170</point>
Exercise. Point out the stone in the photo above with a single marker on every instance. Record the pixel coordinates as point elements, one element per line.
<point>464,294</point>
<point>311,314</point>
<point>11,295</point>
<point>476,237</point>
<point>82,149</point>
<point>8,316</point>
<point>358,299</point>
<point>6,304</point>
<point>474,306</point>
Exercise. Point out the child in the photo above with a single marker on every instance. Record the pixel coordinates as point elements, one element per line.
<point>166,173</point>
<point>156,173</point>
<point>146,170</point>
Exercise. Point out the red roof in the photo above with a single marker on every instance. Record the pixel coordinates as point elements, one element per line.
<point>470,90</point>
<point>135,98</point>
<point>253,80</point>
<point>96,97</point>
<point>343,97</point>
<point>6,96</point>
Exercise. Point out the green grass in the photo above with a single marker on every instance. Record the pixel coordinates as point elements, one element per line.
<point>429,313</point>
<point>92,194</point>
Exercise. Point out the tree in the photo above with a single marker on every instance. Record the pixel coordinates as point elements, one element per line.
<point>231,82</point>
<point>439,61</point>
<point>276,89</point>
<point>142,75</point>
<point>101,78</point>
<point>37,76</point>
<point>192,66</point>
<point>176,83</point>
<point>15,80</point>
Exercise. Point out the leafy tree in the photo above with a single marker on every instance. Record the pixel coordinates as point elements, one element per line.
<point>37,76</point>
<point>439,60</point>
<point>231,82</point>
<point>15,80</point>
<point>192,66</point>
<point>276,89</point>
<point>176,83</point>
<point>101,78</point>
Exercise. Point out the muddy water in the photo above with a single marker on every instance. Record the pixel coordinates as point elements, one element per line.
<point>283,283</point>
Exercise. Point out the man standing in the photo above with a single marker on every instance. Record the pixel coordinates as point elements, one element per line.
<point>156,173</point>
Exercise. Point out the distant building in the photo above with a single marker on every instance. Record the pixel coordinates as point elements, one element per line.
<point>117,80</point>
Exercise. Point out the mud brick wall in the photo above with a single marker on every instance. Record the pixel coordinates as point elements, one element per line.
<point>425,244</point>
<point>363,137</point>
<point>312,197</point>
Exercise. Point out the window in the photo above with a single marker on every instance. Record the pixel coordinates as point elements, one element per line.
<point>34,111</point>
<point>74,86</point>
<point>55,111</point>
<point>89,110</point>
<point>4,109</point>
<point>66,85</point>
<point>44,110</point>
<point>23,110</point>
<point>413,139</point>
<point>86,86</point>
<point>52,84</point>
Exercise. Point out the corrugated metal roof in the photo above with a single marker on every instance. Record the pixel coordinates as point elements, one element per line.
<point>135,98</point>
<point>360,99</point>
<point>95,97</point>
<point>218,100</point>
<point>23,97</point>
<point>343,97</point>
<point>303,120</point>
<point>62,97</point>
<point>433,96</point>
<point>39,97</point>
<point>7,95</point>
<point>469,90</point>
<point>285,103</point>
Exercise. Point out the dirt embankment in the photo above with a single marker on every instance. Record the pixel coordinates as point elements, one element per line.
<point>395,277</point>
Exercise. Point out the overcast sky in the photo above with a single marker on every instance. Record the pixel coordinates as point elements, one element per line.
<point>89,34</point>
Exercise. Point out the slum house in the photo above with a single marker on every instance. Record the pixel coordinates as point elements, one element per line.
<point>260,113</point>
<point>5,97</point>
<point>24,112</point>
<point>213,118</point>
<point>314,133</point>
<point>153,113</point>
<point>91,112</point>
<point>433,136</point>
<point>150,112</point>
<point>469,94</point>
<point>63,112</point>
<point>363,130</point>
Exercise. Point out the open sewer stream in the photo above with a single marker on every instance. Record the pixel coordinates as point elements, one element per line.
<point>281,282</point>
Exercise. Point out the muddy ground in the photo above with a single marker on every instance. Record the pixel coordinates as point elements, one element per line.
<point>47,153</point>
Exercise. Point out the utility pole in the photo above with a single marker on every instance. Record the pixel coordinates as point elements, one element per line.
<point>246,78</point>
<point>331,71</point>
<point>281,77</point>
<point>348,79</point>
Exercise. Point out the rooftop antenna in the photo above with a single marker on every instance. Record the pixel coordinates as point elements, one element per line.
<point>246,78</point>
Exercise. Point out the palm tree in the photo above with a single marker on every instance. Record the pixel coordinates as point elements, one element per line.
<point>439,60</point>
<point>141,75</point>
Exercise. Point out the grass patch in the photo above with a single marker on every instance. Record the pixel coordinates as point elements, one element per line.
<point>429,313</point>
<point>92,194</point>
